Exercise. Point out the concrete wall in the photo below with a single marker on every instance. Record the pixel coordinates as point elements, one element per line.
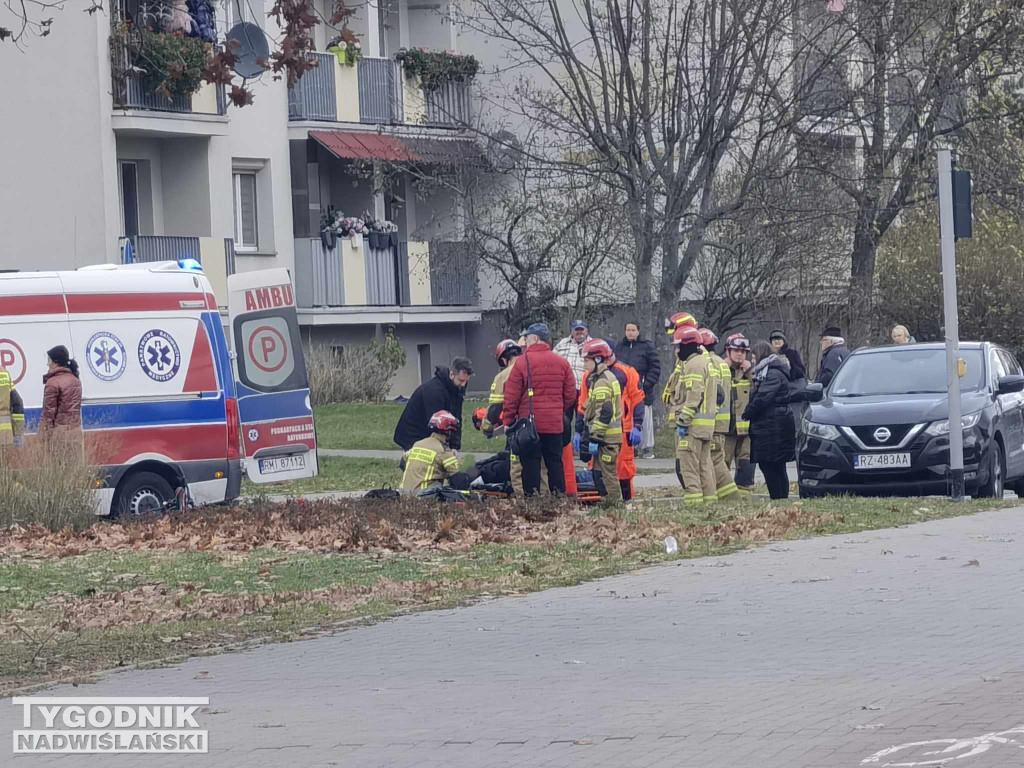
<point>58,198</point>
<point>445,341</point>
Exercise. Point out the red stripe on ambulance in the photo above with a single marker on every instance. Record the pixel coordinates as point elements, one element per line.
<point>201,374</point>
<point>52,304</point>
<point>85,303</point>
<point>188,442</point>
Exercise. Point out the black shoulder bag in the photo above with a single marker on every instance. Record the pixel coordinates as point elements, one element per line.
<point>523,438</point>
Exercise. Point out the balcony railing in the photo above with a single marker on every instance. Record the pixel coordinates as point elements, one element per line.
<point>448,106</point>
<point>352,277</point>
<point>313,97</point>
<point>380,91</point>
<point>152,248</point>
<point>453,274</point>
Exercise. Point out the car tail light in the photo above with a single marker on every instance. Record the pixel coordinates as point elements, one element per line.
<point>234,429</point>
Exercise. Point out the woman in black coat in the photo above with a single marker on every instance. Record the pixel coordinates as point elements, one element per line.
<point>781,347</point>
<point>772,432</point>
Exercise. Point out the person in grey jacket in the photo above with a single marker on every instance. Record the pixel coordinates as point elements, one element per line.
<point>833,352</point>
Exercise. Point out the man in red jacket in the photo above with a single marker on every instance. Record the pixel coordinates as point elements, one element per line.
<point>553,388</point>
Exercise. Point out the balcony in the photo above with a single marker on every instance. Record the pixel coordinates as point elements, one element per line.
<point>411,274</point>
<point>375,91</point>
<point>216,254</point>
<point>128,19</point>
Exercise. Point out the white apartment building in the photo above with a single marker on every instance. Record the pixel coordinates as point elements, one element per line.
<point>90,160</point>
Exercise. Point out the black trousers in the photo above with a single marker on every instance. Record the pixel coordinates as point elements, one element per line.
<point>776,477</point>
<point>550,450</point>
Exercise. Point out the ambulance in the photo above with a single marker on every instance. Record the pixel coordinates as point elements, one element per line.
<point>168,400</point>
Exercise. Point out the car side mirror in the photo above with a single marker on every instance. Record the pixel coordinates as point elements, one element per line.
<point>1009,384</point>
<point>815,392</point>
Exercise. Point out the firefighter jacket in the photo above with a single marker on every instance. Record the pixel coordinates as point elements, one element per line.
<point>740,398</point>
<point>722,378</point>
<point>12,412</point>
<point>694,401</point>
<point>670,387</point>
<point>492,420</point>
<point>632,397</point>
<point>603,410</point>
<point>429,462</point>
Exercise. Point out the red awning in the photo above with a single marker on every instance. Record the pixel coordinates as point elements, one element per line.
<point>364,146</point>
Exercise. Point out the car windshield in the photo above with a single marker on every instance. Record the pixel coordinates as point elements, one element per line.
<point>904,372</point>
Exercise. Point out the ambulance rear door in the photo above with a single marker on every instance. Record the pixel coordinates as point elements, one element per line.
<point>275,413</point>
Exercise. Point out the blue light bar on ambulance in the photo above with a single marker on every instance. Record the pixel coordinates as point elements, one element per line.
<point>191,265</point>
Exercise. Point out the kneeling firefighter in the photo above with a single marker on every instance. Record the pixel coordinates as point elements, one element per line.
<point>430,461</point>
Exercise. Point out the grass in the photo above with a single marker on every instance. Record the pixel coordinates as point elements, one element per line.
<point>371,427</point>
<point>54,611</point>
<point>336,474</point>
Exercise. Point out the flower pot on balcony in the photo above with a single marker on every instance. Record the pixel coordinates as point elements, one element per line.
<point>392,239</point>
<point>378,240</point>
<point>341,53</point>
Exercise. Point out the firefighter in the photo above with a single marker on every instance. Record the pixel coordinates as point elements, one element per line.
<point>721,380</point>
<point>693,407</point>
<point>488,420</point>
<point>602,416</point>
<point>12,415</point>
<point>737,442</point>
<point>672,324</point>
<point>430,461</point>
<point>633,415</point>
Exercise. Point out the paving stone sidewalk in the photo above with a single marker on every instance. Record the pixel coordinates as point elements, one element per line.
<point>810,654</point>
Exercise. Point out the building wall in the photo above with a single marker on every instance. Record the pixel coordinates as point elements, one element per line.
<point>58,158</point>
<point>442,341</point>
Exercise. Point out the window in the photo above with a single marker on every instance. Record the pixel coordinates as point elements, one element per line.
<point>246,224</point>
<point>129,199</point>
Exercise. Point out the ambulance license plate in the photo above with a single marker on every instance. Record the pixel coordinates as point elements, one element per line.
<point>881,461</point>
<point>282,464</point>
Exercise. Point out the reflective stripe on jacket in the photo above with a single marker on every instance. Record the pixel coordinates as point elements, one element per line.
<point>740,398</point>
<point>603,410</point>
<point>695,401</point>
<point>723,379</point>
<point>496,398</point>
<point>6,422</point>
<point>429,462</point>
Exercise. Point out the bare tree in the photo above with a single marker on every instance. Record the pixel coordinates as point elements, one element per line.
<point>655,98</point>
<point>545,240</point>
<point>894,80</point>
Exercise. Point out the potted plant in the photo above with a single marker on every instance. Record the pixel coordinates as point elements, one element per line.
<point>437,68</point>
<point>346,47</point>
<point>383,233</point>
<point>169,63</point>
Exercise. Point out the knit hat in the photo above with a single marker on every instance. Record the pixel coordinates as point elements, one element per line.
<point>540,330</point>
<point>832,330</point>
<point>776,334</point>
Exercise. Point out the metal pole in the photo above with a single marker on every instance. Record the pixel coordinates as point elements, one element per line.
<point>952,323</point>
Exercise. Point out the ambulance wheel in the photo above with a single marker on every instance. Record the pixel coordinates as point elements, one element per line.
<point>143,493</point>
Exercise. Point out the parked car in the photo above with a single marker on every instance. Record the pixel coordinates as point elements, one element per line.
<point>881,427</point>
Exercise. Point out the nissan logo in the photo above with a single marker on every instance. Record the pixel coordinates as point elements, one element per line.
<point>882,434</point>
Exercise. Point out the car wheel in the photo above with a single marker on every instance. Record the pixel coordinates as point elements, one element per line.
<point>143,493</point>
<point>806,494</point>
<point>993,487</point>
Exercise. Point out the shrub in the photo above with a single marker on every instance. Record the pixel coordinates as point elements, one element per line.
<point>435,68</point>
<point>360,373</point>
<point>172,64</point>
<point>47,484</point>
<point>989,272</point>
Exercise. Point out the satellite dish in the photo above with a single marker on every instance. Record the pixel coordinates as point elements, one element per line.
<point>251,49</point>
<point>504,151</point>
